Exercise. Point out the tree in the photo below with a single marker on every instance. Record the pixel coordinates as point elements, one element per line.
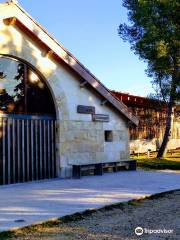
<point>154,35</point>
<point>5,98</point>
<point>19,88</point>
<point>10,102</point>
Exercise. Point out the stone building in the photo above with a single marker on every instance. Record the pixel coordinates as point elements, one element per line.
<point>54,113</point>
<point>152,122</point>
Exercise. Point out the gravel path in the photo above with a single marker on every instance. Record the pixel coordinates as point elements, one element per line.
<point>119,222</point>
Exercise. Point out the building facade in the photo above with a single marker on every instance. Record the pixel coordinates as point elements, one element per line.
<point>53,112</point>
<point>152,121</point>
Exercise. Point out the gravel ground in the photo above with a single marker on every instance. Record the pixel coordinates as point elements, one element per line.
<point>118,222</point>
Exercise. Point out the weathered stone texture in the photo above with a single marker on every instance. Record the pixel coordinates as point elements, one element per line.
<point>83,143</point>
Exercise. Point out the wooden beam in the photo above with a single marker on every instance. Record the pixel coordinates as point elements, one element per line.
<point>48,53</point>
<point>10,21</point>
<point>83,83</point>
<point>103,102</point>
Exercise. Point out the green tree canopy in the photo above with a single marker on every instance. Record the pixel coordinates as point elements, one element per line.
<point>154,34</point>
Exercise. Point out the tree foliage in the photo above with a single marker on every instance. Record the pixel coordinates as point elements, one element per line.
<point>7,100</point>
<point>154,34</point>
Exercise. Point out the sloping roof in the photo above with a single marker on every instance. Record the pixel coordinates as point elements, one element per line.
<point>13,14</point>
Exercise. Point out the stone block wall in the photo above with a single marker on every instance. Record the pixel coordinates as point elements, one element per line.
<point>84,143</point>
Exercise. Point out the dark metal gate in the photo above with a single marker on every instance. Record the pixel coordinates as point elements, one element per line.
<point>27,148</point>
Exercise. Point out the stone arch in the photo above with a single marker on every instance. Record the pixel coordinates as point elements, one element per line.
<point>59,100</point>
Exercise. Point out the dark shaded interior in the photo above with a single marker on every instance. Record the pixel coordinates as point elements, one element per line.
<point>22,90</point>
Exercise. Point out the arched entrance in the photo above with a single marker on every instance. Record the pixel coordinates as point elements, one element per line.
<point>27,124</point>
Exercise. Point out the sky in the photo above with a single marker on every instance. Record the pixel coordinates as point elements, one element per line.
<point>88,29</point>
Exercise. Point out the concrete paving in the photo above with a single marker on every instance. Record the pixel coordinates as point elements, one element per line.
<point>30,203</point>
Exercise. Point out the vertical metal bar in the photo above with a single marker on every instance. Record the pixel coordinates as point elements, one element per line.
<point>56,132</point>
<point>49,156</point>
<point>27,150</point>
<point>4,151</point>
<point>18,152</point>
<point>32,148</point>
<point>14,150</point>
<point>40,148</point>
<point>1,151</point>
<point>23,153</point>
<point>25,86</point>
<point>36,144</point>
<point>27,147</point>
<point>9,149</point>
<point>52,146</point>
<point>44,150</point>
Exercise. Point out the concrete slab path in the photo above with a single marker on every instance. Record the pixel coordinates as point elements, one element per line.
<point>28,203</point>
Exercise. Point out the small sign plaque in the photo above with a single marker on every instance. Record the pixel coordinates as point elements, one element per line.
<point>85,109</point>
<point>101,118</point>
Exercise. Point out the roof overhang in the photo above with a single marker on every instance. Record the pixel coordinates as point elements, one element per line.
<point>13,14</point>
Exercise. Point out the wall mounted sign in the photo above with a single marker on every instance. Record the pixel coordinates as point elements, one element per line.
<point>85,109</point>
<point>100,117</point>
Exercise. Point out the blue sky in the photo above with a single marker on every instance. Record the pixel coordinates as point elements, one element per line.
<point>88,29</point>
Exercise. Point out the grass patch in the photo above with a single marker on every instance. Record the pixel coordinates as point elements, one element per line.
<point>171,161</point>
<point>158,164</point>
<point>41,228</point>
<point>7,235</point>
